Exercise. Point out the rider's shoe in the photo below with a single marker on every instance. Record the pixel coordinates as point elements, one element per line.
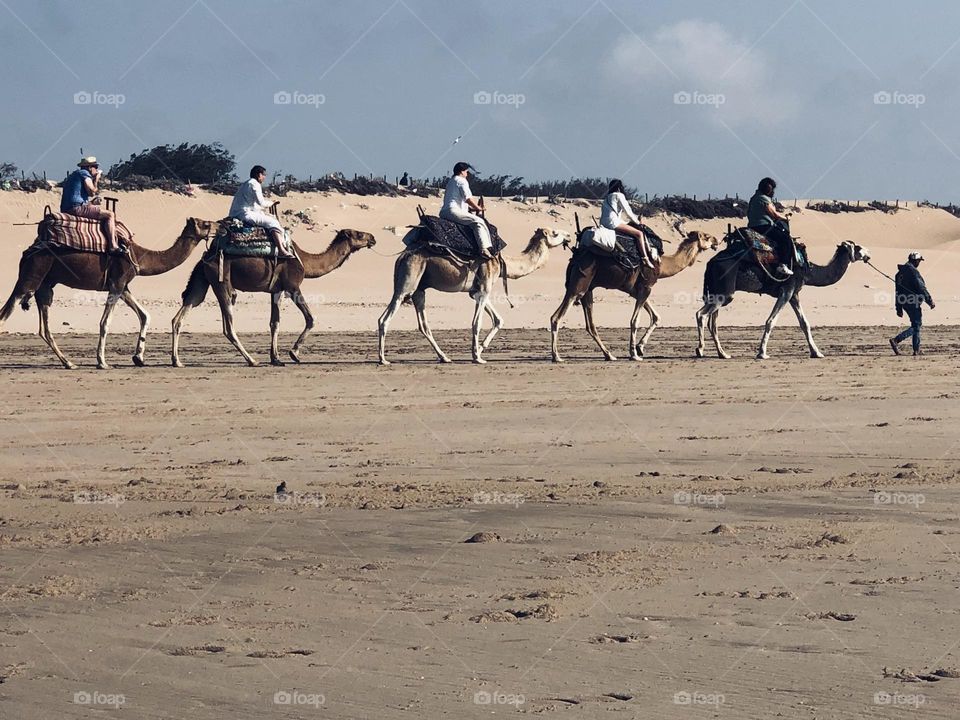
<point>784,270</point>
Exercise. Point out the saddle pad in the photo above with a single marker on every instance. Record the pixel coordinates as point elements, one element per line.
<point>77,233</point>
<point>441,235</point>
<point>625,251</point>
<point>761,250</point>
<point>235,238</point>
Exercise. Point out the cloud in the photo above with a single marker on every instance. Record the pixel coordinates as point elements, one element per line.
<point>701,64</point>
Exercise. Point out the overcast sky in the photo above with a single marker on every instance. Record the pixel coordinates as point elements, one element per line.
<point>675,97</point>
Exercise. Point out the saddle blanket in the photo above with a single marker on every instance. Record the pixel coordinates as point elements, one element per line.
<point>604,241</point>
<point>762,250</point>
<point>235,238</point>
<point>439,235</point>
<point>77,233</point>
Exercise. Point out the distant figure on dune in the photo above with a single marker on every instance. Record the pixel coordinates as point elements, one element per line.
<point>911,293</point>
<point>405,181</point>
<point>79,198</point>
<point>458,203</point>
<point>615,206</point>
<point>763,216</point>
<point>250,207</point>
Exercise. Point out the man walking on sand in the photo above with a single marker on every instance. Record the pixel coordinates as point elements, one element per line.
<point>79,198</point>
<point>911,293</point>
<point>250,207</point>
<point>457,204</point>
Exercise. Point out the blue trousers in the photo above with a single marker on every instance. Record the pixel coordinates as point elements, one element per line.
<point>915,313</point>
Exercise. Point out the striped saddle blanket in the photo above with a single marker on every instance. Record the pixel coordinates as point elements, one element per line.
<point>235,238</point>
<point>763,252</point>
<point>77,233</point>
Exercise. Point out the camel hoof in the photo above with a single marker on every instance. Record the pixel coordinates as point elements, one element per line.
<point>253,363</point>
<point>609,357</point>
<point>176,363</point>
<point>699,352</point>
<point>69,366</point>
<point>384,361</point>
<point>103,366</point>
<point>277,362</point>
<point>444,359</point>
<point>138,361</point>
<point>557,359</point>
<point>294,357</point>
<point>762,356</point>
<point>816,354</point>
<point>479,361</point>
<point>636,358</point>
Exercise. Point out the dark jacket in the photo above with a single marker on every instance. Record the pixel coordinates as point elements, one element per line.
<point>910,288</point>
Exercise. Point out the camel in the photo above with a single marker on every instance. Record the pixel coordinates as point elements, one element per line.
<point>42,270</point>
<point>416,271</point>
<point>588,270</point>
<point>258,274</point>
<point>719,288</point>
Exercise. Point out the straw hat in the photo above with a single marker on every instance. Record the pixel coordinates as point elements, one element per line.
<point>87,161</point>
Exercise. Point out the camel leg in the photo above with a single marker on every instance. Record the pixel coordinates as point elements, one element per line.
<point>587,302</point>
<point>635,353</point>
<point>481,298</point>
<point>307,325</point>
<point>193,296</point>
<point>419,300</point>
<point>712,320</point>
<point>654,322</point>
<point>43,310</point>
<point>224,297</point>
<point>565,304</point>
<point>176,324</point>
<point>108,309</point>
<point>700,315</point>
<point>805,326</point>
<point>383,323</point>
<point>497,321</point>
<point>275,299</point>
<point>782,300</point>
<point>144,317</point>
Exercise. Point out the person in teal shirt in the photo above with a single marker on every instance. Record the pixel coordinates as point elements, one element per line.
<point>763,217</point>
<point>78,188</point>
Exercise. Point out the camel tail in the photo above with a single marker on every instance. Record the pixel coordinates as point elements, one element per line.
<point>197,286</point>
<point>7,310</point>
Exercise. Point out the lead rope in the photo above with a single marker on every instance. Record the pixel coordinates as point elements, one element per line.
<point>879,270</point>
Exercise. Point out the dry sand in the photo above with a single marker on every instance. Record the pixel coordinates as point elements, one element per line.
<point>144,555</point>
<point>666,539</point>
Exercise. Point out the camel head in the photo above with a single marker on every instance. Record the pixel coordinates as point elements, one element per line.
<point>704,241</point>
<point>197,230</point>
<point>552,238</point>
<point>855,252</point>
<point>355,239</point>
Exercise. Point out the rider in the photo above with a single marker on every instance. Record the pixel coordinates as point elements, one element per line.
<point>615,206</point>
<point>78,188</point>
<point>249,206</point>
<point>763,217</point>
<point>911,294</point>
<point>458,203</point>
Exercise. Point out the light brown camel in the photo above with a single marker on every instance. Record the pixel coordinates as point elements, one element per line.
<point>257,274</point>
<point>41,270</point>
<point>588,270</point>
<point>416,271</point>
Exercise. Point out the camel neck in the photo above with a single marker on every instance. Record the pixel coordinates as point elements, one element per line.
<point>830,274</point>
<point>531,259</point>
<point>157,262</point>
<point>318,264</point>
<point>683,258</point>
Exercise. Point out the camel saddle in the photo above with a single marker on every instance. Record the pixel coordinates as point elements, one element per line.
<point>625,251</point>
<point>443,237</point>
<point>746,241</point>
<point>234,237</point>
<point>76,233</point>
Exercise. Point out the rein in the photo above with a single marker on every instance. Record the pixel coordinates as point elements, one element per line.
<point>879,270</point>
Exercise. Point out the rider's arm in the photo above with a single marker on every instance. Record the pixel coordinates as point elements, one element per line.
<point>625,206</point>
<point>472,204</point>
<point>772,212</point>
<point>92,183</point>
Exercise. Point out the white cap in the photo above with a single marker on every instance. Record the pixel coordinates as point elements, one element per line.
<point>915,256</point>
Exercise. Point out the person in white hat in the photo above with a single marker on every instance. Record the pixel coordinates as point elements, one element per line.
<point>911,293</point>
<point>79,198</point>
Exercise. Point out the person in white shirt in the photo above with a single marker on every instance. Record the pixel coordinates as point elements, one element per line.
<point>615,206</point>
<point>250,206</point>
<point>457,204</point>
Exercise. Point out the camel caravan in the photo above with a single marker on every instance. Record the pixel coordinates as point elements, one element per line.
<point>84,246</point>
